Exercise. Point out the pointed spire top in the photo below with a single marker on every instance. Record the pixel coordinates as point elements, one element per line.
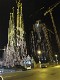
<point>13,10</point>
<point>10,13</point>
<point>18,1</point>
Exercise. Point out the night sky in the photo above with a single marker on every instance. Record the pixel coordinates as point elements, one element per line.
<point>31,13</point>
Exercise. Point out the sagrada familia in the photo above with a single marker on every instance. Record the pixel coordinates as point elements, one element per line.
<point>16,52</point>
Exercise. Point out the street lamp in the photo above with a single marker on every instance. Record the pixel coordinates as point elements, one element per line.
<point>56,58</point>
<point>39,52</point>
<point>2,49</point>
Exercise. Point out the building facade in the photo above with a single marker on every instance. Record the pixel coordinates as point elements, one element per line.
<point>16,47</point>
<point>40,41</point>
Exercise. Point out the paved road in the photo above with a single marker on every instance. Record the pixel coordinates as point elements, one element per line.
<point>51,73</point>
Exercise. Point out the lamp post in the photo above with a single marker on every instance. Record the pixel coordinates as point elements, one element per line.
<point>56,58</point>
<point>39,53</point>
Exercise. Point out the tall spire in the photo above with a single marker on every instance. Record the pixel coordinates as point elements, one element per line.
<point>17,46</point>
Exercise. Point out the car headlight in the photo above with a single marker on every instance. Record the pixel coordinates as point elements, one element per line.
<point>46,66</point>
<point>0,71</point>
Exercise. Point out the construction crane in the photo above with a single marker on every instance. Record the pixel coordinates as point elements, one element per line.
<point>50,11</point>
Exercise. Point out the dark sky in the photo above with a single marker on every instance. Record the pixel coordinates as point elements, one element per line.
<point>31,12</point>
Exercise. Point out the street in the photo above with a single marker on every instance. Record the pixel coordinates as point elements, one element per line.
<point>50,73</point>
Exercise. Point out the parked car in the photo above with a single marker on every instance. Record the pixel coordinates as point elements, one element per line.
<point>28,67</point>
<point>44,65</point>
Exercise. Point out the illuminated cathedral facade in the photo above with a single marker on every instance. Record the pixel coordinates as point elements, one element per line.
<point>16,51</point>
